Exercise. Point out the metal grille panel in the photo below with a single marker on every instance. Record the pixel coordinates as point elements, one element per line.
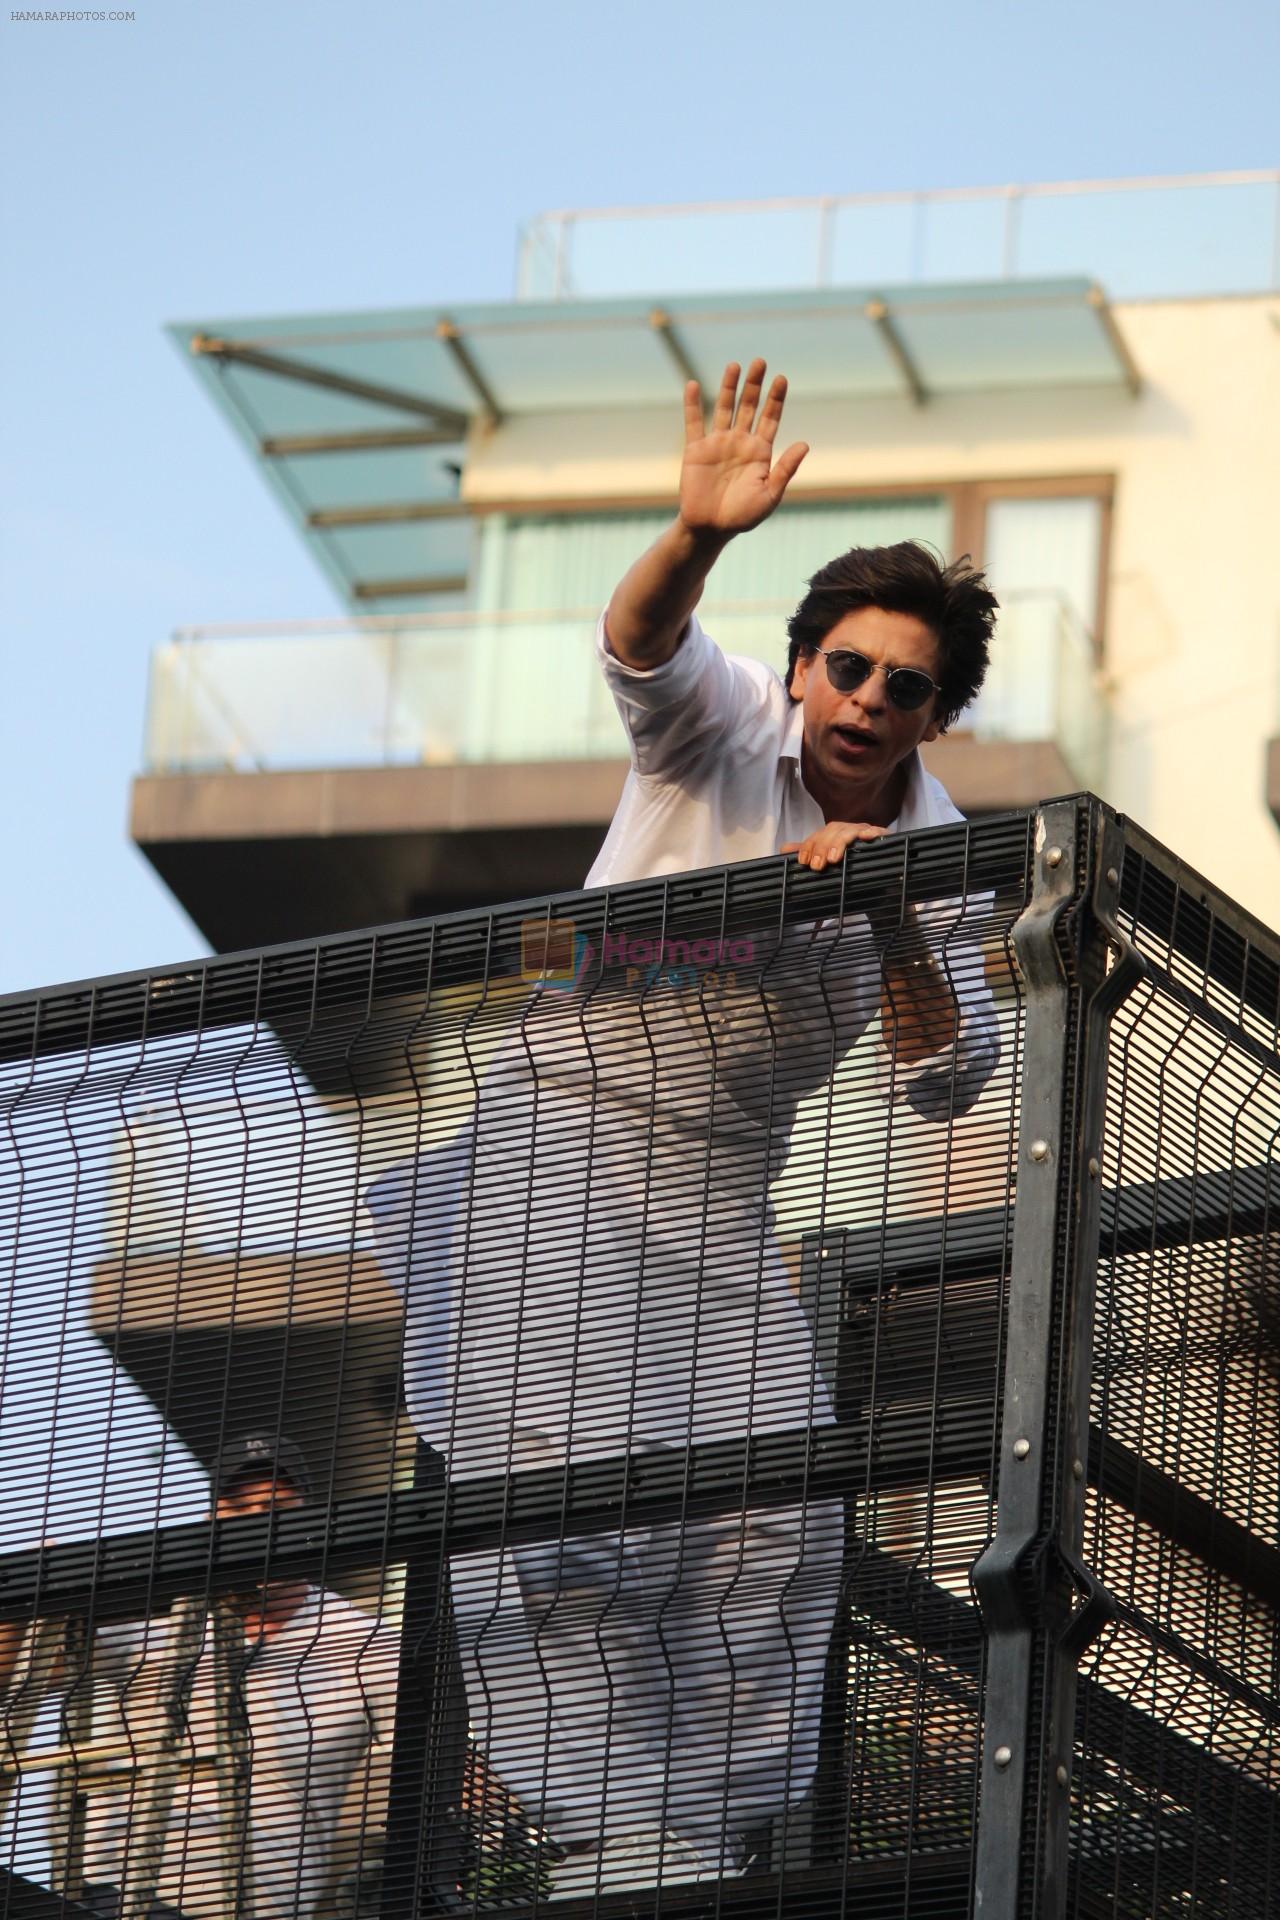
<point>641,1302</point>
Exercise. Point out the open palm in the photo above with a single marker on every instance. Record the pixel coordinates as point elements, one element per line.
<point>730,480</point>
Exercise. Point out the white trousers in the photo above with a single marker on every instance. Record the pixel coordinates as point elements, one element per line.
<point>580,1285</point>
<point>670,1677</point>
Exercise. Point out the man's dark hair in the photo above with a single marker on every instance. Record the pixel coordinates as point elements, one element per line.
<point>954,602</point>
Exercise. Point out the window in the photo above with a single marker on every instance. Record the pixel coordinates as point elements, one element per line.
<point>1043,553</point>
<point>557,561</point>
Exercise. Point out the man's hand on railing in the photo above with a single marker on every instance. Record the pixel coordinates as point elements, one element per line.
<point>730,481</point>
<point>919,1012</point>
<point>918,1007</point>
<point>831,842</point>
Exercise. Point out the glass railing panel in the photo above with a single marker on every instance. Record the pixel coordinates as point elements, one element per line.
<point>525,690</point>
<point>713,250</point>
<point>1043,684</point>
<point>189,725</point>
<point>1017,702</point>
<point>1188,235</point>
<point>1082,720</point>
<point>485,690</point>
<point>276,700</point>
<point>898,242</point>
<point>1145,243</point>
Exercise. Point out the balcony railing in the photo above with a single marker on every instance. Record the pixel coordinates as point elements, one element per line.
<point>478,688</point>
<point>838,1456</point>
<point>1188,234</point>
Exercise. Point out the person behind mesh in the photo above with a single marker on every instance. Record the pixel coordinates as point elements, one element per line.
<point>315,1688</point>
<point>590,1267</point>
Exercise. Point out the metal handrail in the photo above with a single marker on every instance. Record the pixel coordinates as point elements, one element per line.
<point>416,622</point>
<point>1239,177</point>
<point>552,230</point>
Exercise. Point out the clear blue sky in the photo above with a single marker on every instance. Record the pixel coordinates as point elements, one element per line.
<point>260,156</point>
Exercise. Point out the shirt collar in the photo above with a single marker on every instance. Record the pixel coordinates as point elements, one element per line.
<point>793,733</point>
<point>915,810</point>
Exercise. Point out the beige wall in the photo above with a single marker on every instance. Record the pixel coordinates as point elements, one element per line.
<point>1194,579</point>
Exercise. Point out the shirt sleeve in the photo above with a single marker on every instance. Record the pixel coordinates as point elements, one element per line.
<point>679,713</point>
<point>945,1085</point>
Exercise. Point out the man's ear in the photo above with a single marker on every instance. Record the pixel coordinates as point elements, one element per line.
<point>799,676</point>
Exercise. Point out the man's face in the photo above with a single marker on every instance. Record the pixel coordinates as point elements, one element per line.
<point>257,1493</point>
<point>860,737</point>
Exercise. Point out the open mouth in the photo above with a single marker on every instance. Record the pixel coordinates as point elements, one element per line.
<point>855,737</point>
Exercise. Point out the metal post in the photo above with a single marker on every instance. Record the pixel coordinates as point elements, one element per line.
<point>235,1757</point>
<point>428,1756</point>
<point>1109,968</point>
<point>391,668</point>
<point>826,238</point>
<point>1075,969</point>
<point>161,1763</point>
<point>1012,210</point>
<point>919,204</point>
<point>70,1801</point>
<point>560,273</point>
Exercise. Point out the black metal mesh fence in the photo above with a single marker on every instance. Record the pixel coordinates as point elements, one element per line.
<point>590,1326</point>
<point>1177,1764</point>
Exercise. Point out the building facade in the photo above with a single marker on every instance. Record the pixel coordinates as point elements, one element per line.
<point>474,482</point>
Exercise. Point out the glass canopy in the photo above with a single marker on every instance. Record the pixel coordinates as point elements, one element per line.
<point>361,420</point>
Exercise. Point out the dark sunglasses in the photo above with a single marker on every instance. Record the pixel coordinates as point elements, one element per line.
<point>906,687</point>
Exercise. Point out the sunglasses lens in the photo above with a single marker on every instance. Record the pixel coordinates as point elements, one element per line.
<point>908,689</point>
<point>846,671</point>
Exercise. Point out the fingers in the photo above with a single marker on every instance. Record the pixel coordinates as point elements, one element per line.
<point>745,419</point>
<point>735,413</point>
<point>722,417</point>
<point>784,469</point>
<point>829,844</point>
<point>740,414</point>
<point>771,412</point>
<point>694,426</point>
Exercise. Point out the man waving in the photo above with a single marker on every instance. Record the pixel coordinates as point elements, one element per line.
<point>590,1268</point>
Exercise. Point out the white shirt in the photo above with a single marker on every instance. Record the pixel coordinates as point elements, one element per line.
<point>622,1135</point>
<point>317,1692</point>
<point>715,766</point>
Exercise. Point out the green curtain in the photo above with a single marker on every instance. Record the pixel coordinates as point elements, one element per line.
<point>553,562</point>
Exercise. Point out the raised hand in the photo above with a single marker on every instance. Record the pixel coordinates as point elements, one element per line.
<point>730,480</point>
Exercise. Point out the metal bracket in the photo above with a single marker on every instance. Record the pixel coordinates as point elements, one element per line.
<point>1031,1576</point>
<point>1128,966</point>
<point>997,1578</point>
<point>1086,1622</point>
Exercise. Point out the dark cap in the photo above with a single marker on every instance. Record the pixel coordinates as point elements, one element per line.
<point>264,1455</point>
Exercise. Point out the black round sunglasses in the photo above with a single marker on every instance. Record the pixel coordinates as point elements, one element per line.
<point>906,687</point>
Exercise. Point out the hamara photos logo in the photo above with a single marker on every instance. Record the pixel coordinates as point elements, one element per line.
<point>553,953</point>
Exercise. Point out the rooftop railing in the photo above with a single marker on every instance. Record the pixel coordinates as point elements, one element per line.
<point>461,689</point>
<point>779,1371</point>
<point>1167,236</point>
